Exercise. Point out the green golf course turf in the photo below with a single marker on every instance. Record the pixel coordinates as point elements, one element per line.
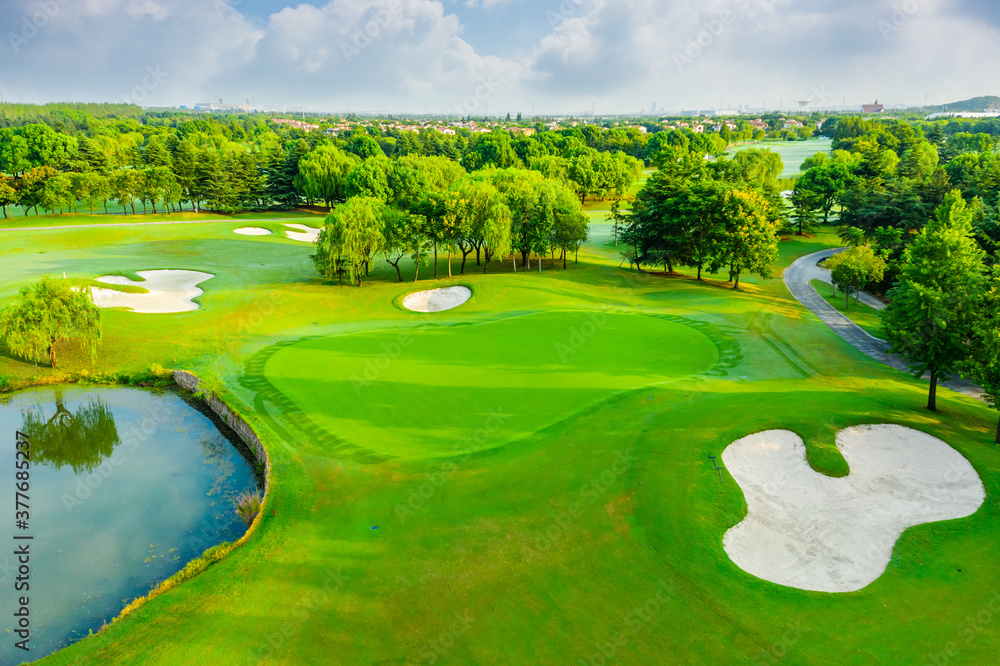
<point>582,525</point>
<point>415,394</point>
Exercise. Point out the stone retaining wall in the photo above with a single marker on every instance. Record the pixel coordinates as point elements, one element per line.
<point>190,382</point>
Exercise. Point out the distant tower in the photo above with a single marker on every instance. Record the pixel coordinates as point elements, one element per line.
<point>652,109</point>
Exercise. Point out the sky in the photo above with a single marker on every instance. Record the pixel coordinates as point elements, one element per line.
<point>481,57</point>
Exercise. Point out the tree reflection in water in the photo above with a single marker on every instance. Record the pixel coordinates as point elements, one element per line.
<point>82,440</point>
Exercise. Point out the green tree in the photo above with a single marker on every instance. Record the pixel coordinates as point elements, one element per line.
<point>402,234</point>
<point>156,154</point>
<point>92,189</point>
<point>323,173</point>
<point>758,167</point>
<point>932,310</point>
<point>158,184</point>
<point>491,150</point>
<point>48,313</point>
<point>125,188</point>
<point>9,195</point>
<point>365,147</point>
<point>57,193</point>
<point>749,237</point>
<point>919,162</point>
<point>821,187</point>
<point>370,179</point>
<point>855,269</point>
<point>983,363</point>
<point>13,153</point>
<point>352,236</point>
<point>819,159</point>
<point>32,187</point>
<point>490,219</point>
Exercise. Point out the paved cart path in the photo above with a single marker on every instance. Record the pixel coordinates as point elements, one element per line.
<point>797,277</point>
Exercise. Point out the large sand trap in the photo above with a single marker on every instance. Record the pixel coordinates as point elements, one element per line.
<point>252,231</point>
<point>437,300</point>
<point>810,531</point>
<point>304,233</point>
<point>169,291</point>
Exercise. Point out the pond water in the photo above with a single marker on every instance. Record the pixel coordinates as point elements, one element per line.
<point>126,487</point>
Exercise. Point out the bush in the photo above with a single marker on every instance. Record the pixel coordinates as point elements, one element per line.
<point>248,505</point>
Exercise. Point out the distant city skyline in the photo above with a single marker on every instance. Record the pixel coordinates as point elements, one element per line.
<point>491,57</point>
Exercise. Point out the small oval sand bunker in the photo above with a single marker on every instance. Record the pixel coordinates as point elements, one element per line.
<point>167,292</point>
<point>252,231</point>
<point>807,530</point>
<point>437,300</point>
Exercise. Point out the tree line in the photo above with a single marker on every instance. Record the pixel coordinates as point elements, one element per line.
<point>886,179</point>
<point>247,164</point>
<point>919,210</point>
<point>709,215</point>
<point>424,207</point>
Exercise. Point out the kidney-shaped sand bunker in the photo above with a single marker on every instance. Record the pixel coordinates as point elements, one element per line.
<point>807,530</point>
<point>437,300</point>
<point>166,292</point>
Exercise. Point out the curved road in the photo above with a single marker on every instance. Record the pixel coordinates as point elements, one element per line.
<point>797,277</point>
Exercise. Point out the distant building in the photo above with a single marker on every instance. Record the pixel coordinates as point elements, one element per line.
<point>872,108</point>
<point>523,131</point>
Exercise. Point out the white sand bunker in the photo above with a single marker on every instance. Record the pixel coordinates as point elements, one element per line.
<point>169,291</point>
<point>810,531</point>
<point>252,231</point>
<point>437,300</point>
<point>304,233</point>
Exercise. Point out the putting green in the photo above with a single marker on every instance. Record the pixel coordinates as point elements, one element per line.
<point>442,390</point>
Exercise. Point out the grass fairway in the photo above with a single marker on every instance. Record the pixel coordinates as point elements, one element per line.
<point>587,523</point>
<point>415,394</point>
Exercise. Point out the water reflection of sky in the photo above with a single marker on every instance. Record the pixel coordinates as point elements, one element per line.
<point>103,537</point>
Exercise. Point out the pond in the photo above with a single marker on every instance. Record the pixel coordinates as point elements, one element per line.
<point>126,487</point>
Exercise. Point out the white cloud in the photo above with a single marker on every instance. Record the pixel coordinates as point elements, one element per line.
<point>140,8</point>
<point>408,53</point>
<point>489,4</point>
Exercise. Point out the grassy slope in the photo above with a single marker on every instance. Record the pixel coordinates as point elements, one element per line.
<point>864,316</point>
<point>542,544</point>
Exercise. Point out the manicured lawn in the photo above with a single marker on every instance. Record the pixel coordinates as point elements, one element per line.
<point>408,394</point>
<point>864,316</point>
<point>531,502</point>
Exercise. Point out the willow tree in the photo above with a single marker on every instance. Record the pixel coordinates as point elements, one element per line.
<point>48,313</point>
<point>490,219</point>
<point>352,236</point>
<point>81,440</point>
<point>323,173</point>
